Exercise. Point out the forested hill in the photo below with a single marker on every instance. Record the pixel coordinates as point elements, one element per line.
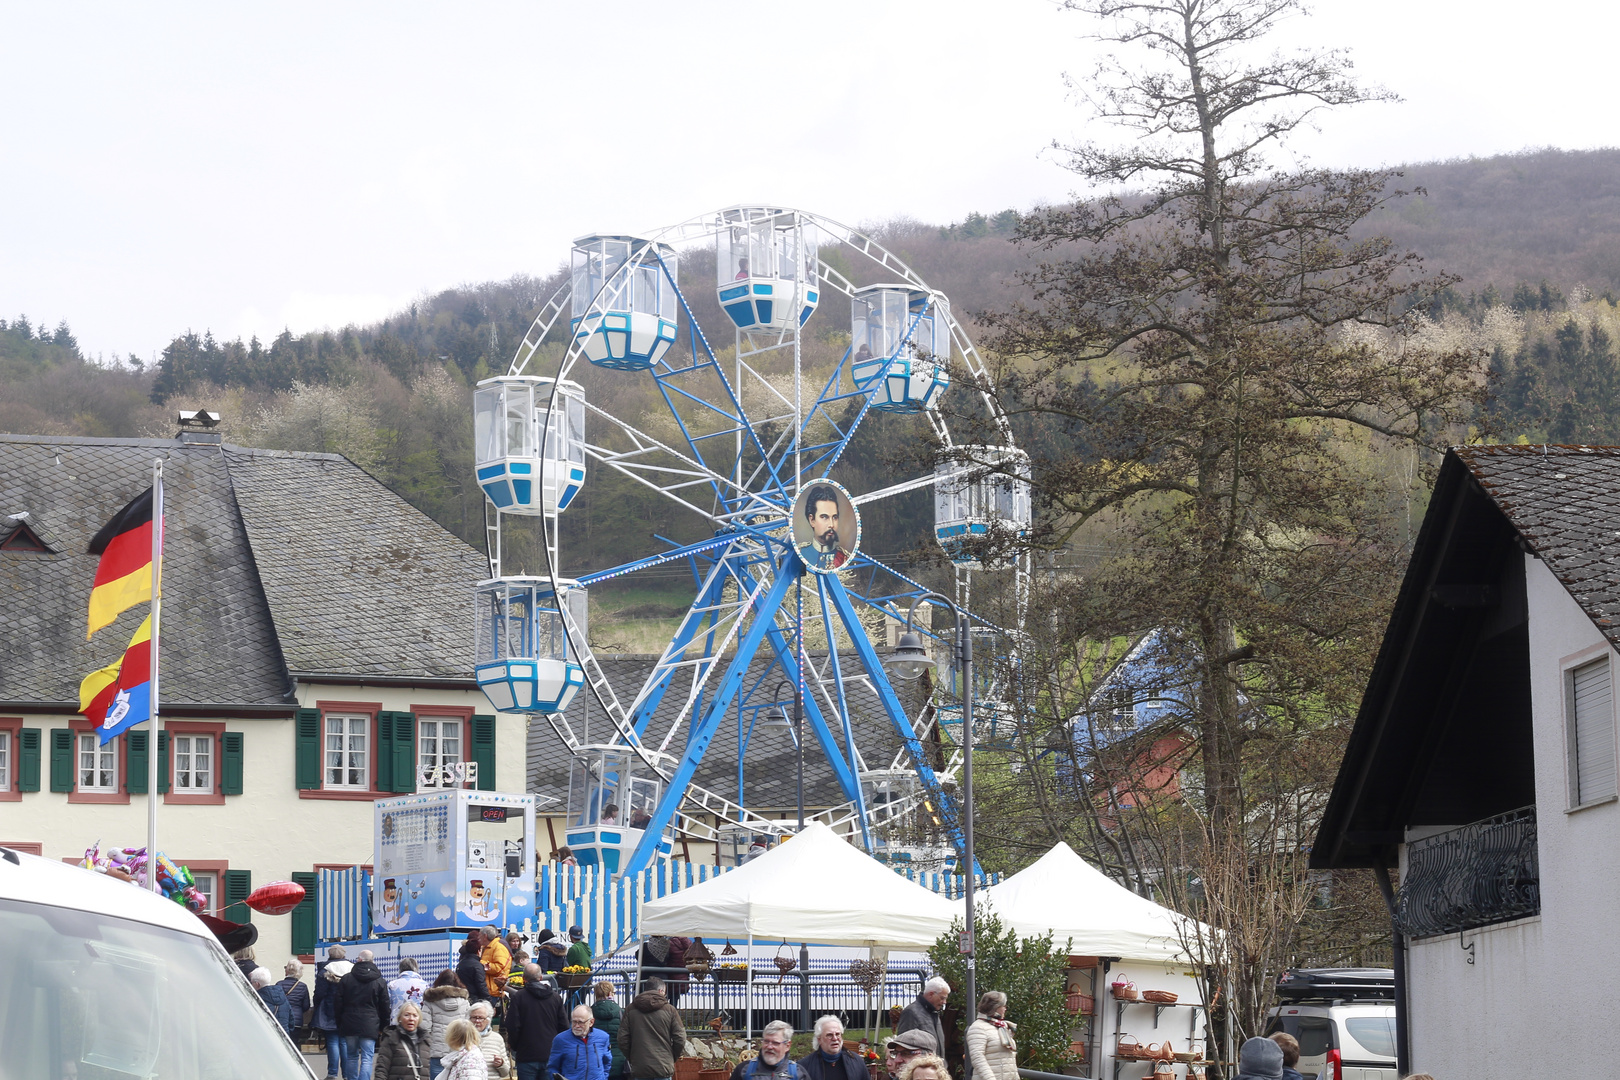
<point>1535,237</point>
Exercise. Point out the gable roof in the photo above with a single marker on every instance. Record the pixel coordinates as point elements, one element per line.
<point>1443,735</point>
<point>274,562</point>
<point>1564,501</point>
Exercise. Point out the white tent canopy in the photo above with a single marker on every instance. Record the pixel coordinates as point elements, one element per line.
<point>1063,894</point>
<point>813,887</point>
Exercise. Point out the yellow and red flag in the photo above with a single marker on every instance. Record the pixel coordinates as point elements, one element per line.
<point>119,696</point>
<point>124,575</point>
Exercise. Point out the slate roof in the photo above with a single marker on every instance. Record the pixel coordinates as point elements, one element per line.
<point>1565,502</point>
<point>770,770</point>
<point>273,561</point>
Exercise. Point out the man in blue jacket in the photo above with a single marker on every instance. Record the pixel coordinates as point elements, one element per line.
<point>581,1052</point>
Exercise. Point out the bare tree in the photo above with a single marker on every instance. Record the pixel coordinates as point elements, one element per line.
<point>1210,368</point>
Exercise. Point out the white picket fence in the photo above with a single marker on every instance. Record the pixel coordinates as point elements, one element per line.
<point>608,910</point>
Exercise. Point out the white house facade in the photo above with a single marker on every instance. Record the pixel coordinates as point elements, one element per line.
<point>1483,764</point>
<point>316,655</point>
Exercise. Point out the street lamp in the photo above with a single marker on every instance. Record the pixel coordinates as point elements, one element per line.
<point>778,718</point>
<point>908,661</point>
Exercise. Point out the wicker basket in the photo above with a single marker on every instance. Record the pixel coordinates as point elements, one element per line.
<point>1077,1050</point>
<point>687,1068</point>
<point>572,980</point>
<point>714,1074</point>
<point>1159,997</point>
<point>1076,1002</point>
<point>724,974</point>
<point>697,969</point>
<point>1129,1049</point>
<point>1124,990</point>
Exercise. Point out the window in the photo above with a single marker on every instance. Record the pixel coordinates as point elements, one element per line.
<point>208,884</point>
<point>438,742</point>
<point>193,764</point>
<point>98,765</point>
<point>1375,1033</point>
<point>1589,708</point>
<point>347,764</point>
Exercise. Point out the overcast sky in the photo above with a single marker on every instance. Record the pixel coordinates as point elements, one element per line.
<point>244,168</point>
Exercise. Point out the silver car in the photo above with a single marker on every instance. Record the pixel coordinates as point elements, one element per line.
<point>1340,1041</point>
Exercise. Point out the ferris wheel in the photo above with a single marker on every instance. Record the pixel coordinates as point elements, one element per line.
<point>753,435</point>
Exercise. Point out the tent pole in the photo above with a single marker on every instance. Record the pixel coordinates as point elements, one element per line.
<point>748,987</point>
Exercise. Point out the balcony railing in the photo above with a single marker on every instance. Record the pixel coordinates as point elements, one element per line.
<point>1478,875</point>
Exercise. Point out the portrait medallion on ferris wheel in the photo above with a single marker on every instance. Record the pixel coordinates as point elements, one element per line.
<point>826,527</point>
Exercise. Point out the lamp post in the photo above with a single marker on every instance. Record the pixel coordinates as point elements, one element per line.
<point>804,949</point>
<point>908,661</point>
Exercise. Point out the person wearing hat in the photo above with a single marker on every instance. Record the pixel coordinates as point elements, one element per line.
<point>579,953</point>
<point>549,951</point>
<point>906,1045</point>
<point>1260,1059</point>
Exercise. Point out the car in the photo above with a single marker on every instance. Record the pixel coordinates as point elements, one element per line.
<point>1344,1019</point>
<point>105,980</point>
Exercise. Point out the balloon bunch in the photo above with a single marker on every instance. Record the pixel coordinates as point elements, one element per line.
<point>132,865</point>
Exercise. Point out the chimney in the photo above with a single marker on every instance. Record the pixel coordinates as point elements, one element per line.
<point>198,427</point>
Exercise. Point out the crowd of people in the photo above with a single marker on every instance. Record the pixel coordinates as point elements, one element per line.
<point>407,1029</point>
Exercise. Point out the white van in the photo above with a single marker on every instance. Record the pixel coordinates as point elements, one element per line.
<point>101,980</point>
<point>1344,1019</point>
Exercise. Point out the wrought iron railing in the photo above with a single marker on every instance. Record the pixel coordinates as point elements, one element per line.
<point>1478,875</point>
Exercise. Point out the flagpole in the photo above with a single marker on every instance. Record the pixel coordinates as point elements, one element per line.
<point>156,729</point>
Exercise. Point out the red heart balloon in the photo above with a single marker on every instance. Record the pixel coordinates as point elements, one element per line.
<point>276,898</point>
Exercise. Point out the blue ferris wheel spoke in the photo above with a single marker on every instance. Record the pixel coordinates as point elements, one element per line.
<point>950,815</point>
<point>702,731</point>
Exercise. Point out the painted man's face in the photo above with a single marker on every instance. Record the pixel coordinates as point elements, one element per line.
<point>824,523</point>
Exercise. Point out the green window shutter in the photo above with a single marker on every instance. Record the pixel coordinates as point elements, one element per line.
<point>28,759</point>
<point>61,759</point>
<point>230,766</point>
<point>404,752</point>
<point>483,750</point>
<point>303,916</point>
<point>237,885</point>
<point>135,762</point>
<point>163,763</point>
<point>307,737</point>
<point>384,757</point>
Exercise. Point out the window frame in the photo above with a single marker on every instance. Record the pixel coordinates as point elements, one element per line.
<point>81,726</point>
<point>369,709</point>
<point>368,731</point>
<point>11,773</point>
<point>460,714</point>
<point>217,867</point>
<point>1599,654</point>
<point>192,797</point>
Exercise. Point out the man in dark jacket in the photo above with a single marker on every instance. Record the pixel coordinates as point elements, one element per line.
<point>924,1013</point>
<point>535,1016</point>
<point>773,1062</point>
<point>362,1013</point>
<point>651,1034</point>
<point>830,1060</point>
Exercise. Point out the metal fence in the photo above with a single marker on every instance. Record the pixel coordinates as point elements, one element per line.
<point>1478,875</point>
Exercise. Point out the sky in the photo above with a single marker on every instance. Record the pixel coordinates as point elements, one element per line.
<point>247,168</point>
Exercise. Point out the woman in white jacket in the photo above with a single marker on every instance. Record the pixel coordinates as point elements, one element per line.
<point>496,1060</point>
<point>990,1043</point>
<point>442,1004</point>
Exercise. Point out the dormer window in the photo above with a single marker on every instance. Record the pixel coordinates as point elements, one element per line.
<point>20,533</point>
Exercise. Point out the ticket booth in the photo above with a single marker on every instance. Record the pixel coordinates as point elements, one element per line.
<point>452,858</point>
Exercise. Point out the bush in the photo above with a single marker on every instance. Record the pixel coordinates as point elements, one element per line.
<point>1032,972</point>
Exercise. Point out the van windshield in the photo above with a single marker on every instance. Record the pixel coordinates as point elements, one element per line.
<point>87,996</point>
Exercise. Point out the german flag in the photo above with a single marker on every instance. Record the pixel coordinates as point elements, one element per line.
<point>124,575</point>
<point>119,696</point>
